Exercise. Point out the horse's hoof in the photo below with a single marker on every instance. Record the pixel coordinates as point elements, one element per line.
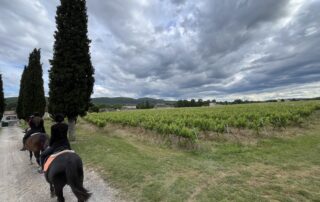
<point>52,195</point>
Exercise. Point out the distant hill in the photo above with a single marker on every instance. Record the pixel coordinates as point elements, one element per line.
<point>12,101</point>
<point>128,101</point>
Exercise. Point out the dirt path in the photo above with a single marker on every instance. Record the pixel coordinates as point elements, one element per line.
<point>19,181</point>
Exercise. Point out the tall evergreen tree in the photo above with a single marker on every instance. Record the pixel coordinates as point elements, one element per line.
<point>33,92</point>
<point>19,108</point>
<point>2,101</point>
<point>71,75</point>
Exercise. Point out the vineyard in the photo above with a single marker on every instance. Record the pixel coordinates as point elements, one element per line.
<point>188,122</point>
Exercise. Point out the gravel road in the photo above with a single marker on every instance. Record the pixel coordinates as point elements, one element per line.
<point>20,181</point>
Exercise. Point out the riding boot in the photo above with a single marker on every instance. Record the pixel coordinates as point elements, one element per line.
<point>23,148</point>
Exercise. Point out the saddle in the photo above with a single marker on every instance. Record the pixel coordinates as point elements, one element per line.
<point>33,134</point>
<point>51,158</point>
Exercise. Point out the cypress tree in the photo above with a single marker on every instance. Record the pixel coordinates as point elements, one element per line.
<point>71,76</point>
<point>33,92</point>
<point>2,101</point>
<point>19,109</point>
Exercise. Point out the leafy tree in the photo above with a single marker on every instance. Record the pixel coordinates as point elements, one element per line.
<point>94,108</point>
<point>11,106</point>
<point>2,101</point>
<point>71,76</point>
<point>193,103</point>
<point>33,99</point>
<point>145,105</point>
<point>116,106</point>
<point>185,103</point>
<point>237,101</point>
<point>179,103</point>
<point>200,103</point>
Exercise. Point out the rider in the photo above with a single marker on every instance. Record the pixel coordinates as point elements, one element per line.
<point>59,138</point>
<point>36,126</point>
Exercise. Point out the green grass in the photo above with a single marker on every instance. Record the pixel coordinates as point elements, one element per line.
<point>280,168</point>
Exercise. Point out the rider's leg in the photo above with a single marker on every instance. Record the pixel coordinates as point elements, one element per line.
<point>25,137</point>
<point>23,143</point>
<point>44,155</point>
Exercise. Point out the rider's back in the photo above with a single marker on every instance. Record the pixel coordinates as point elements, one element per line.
<point>59,135</point>
<point>37,124</point>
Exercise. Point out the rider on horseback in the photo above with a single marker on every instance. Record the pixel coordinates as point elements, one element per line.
<point>36,126</point>
<point>59,138</point>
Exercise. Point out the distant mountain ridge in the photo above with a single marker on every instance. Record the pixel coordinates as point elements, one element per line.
<point>12,101</point>
<point>128,101</point>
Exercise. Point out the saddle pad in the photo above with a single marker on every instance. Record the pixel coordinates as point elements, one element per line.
<point>52,157</point>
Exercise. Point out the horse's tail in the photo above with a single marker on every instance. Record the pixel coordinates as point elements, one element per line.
<point>74,174</point>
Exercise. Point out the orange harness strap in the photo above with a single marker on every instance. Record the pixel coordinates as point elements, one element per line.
<point>52,157</point>
<point>48,163</point>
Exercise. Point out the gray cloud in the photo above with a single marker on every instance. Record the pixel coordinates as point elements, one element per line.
<point>178,2</point>
<point>180,48</point>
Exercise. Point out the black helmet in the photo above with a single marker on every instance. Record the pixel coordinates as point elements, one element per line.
<point>36,114</point>
<point>59,117</point>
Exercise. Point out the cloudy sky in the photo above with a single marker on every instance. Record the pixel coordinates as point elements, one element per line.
<point>177,49</point>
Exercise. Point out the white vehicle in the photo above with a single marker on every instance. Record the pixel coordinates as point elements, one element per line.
<point>9,119</point>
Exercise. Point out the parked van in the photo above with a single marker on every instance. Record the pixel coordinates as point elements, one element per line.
<point>9,119</point>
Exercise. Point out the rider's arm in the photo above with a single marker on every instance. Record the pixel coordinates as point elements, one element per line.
<point>53,136</point>
<point>43,130</point>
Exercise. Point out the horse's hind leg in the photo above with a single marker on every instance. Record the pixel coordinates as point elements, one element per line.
<point>30,155</point>
<point>52,193</point>
<point>58,188</point>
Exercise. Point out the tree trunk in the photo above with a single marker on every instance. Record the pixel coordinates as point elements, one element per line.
<point>72,128</point>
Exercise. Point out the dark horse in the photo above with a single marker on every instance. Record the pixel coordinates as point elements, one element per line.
<point>36,143</point>
<point>67,169</point>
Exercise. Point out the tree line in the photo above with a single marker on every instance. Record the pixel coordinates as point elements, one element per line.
<point>192,103</point>
<point>145,105</point>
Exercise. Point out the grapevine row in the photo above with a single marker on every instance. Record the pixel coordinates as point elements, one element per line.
<point>188,122</point>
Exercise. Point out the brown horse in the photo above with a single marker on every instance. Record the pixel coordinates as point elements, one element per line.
<point>36,143</point>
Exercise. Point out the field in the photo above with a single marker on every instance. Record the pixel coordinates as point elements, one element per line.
<point>282,166</point>
<point>190,122</point>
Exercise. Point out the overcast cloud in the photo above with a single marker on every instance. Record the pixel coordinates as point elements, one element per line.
<point>177,49</point>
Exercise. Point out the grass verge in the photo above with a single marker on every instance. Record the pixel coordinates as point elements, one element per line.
<point>281,168</point>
